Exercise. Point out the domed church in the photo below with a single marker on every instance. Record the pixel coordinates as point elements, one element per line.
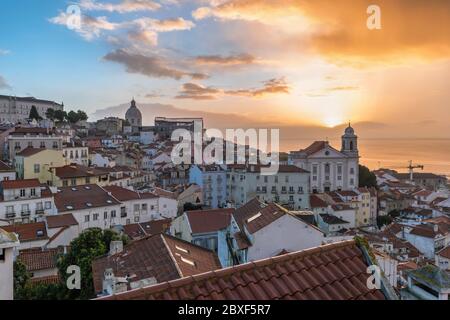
<point>134,116</point>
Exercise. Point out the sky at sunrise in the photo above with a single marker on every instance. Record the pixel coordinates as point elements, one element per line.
<point>283,62</point>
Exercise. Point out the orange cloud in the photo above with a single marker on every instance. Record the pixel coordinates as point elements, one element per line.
<point>337,28</point>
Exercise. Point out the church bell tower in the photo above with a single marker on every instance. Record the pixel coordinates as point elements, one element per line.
<point>350,142</point>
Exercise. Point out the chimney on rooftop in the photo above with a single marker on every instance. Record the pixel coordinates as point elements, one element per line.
<point>115,247</point>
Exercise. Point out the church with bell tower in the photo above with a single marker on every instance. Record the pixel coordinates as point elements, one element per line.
<point>330,169</point>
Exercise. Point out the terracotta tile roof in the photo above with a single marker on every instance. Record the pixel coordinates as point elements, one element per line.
<point>316,202</point>
<point>346,193</point>
<point>37,259</point>
<point>83,197</point>
<point>428,231</point>
<point>29,231</point>
<point>139,230</point>
<point>77,171</point>
<point>123,194</point>
<point>61,220</point>
<point>16,184</point>
<point>46,280</point>
<point>4,167</point>
<point>316,146</point>
<point>161,256</point>
<point>445,253</point>
<point>34,130</point>
<point>29,151</point>
<point>264,217</point>
<point>164,193</point>
<point>330,219</point>
<point>331,272</point>
<point>205,221</point>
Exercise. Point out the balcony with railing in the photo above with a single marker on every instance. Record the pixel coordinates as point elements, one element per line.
<point>26,213</point>
<point>10,215</point>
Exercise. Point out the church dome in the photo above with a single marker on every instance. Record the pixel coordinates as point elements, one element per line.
<point>133,115</point>
<point>349,131</point>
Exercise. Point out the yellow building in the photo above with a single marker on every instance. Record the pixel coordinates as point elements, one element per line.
<point>77,175</point>
<point>363,216</point>
<point>35,163</point>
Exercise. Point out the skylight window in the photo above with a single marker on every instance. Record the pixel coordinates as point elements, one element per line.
<point>89,204</point>
<point>181,249</point>
<point>256,216</point>
<point>69,207</point>
<point>189,262</point>
<point>108,201</point>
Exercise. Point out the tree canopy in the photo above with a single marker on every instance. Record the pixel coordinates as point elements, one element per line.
<point>34,114</point>
<point>366,177</point>
<point>90,244</point>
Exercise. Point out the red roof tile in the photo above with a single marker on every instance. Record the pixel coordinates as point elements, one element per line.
<point>331,272</point>
<point>445,253</point>
<point>16,184</point>
<point>139,230</point>
<point>161,256</point>
<point>55,279</point>
<point>37,259</point>
<point>316,202</point>
<point>205,221</point>
<point>4,167</point>
<point>83,197</point>
<point>256,215</point>
<point>61,220</point>
<point>29,151</point>
<point>29,231</point>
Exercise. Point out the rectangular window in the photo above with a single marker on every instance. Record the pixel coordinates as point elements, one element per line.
<point>144,206</point>
<point>315,169</point>
<point>113,213</point>
<point>65,183</point>
<point>95,217</point>
<point>86,218</point>
<point>136,207</point>
<point>73,182</point>
<point>88,180</point>
<point>105,215</point>
<point>37,168</point>
<point>48,205</point>
<point>22,192</point>
<point>33,192</point>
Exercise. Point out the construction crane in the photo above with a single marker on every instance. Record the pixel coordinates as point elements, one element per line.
<point>411,168</point>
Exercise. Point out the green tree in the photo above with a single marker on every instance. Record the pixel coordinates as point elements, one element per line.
<point>72,117</point>
<point>60,115</point>
<point>82,116</point>
<point>366,177</point>
<point>34,114</point>
<point>50,114</point>
<point>90,244</point>
<point>21,278</point>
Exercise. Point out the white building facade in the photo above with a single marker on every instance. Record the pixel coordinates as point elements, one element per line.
<point>330,168</point>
